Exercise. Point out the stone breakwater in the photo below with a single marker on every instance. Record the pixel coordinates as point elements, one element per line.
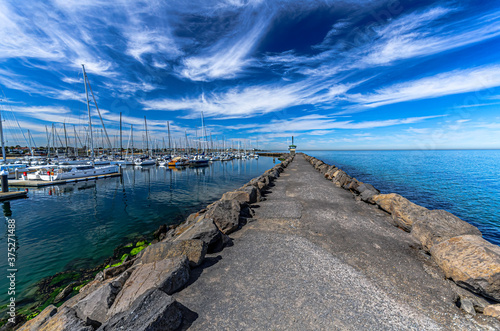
<point>136,295</point>
<point>456,246</point>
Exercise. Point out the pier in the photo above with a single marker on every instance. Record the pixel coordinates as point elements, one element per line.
<point>41,183</point>
<point>314,258</point>
<point>12,195</point>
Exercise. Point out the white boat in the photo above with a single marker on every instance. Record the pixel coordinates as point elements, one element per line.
<point>144,162</point>
<point>64,173</point>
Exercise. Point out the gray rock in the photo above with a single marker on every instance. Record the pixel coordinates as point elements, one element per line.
<point>65,320</point>
<point>154,310</point>
<point>168,275</point>
<point>193,249</point>
<point>435,226</point>
<point>226,215</point>
<point>245,194</point>
<point>323,168</point>
<point>205,230</point>
<point>93,309</point>
<point>467,306</point>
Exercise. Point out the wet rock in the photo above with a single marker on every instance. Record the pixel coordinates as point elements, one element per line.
<point>65,320</point>
<point>493,311</point>
<point>435,226</point>
<point>193,249</point>
<point>162,230</point>
<point>152,311</point>
<point>35,323</point>
<point>64,293</point>
<point>226,215</point>
<point>471,262</point>
<point>403,212</point>
<point>168,275</point>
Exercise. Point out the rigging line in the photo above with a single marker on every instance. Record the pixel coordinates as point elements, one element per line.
<point>99,112</point>
<point>15,117</point>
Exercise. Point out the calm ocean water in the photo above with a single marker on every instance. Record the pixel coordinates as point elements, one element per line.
<point>79,225</point>
<point>463,182</point>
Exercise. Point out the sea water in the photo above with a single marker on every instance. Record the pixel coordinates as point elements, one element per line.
<point>465,183</point>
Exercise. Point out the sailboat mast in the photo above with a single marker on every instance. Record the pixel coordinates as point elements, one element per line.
<point>3,142</point>
<point>121,146</point>
<point>147,139</point>
<point>66,138</point>
<point>90,118</point>
<point>169,141</point>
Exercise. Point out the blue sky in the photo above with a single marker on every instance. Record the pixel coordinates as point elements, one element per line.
<point>335,74</point>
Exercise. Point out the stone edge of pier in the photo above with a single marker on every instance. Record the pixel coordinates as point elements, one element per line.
<point>137,293</point>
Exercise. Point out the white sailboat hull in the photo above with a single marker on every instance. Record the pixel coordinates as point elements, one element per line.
<point>74,173</point>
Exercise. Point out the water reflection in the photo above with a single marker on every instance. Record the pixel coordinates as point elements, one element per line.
<point>81,223</point>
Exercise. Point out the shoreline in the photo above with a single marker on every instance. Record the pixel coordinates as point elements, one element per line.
<point>121,257</point>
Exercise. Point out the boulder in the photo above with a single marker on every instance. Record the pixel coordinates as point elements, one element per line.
<point>193,249</point>
<point>94,307</point>
<point>435,226</point>
<point>154,310</point>
<point>65,320</point>
<point>323,168</point>
<point>245,194</point>
<point>226,215</point>
<point>330,171</point>
<point>493,311</point>
<point>168,275</point>
<point>471,262</point>
<point>205,230</point>
<point>35,323</point>
<point>403,212</point>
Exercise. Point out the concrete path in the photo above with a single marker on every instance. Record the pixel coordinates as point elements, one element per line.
<point>313,258</point>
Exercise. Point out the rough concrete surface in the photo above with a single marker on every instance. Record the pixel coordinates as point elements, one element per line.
<point>313,258</point>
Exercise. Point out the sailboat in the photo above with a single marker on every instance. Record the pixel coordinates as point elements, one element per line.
<point>79,171</point>
<point>147,160</point>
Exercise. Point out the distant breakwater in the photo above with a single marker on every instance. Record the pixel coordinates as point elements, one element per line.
<point>134,292</point>
<point>456,246</point>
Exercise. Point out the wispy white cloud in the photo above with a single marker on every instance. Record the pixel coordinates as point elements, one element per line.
<point>319,122</point>
<point>454,82</point>
<point>230,55</point>
<point>254,100</point>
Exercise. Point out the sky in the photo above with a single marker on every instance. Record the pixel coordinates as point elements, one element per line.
<point>358,74</point>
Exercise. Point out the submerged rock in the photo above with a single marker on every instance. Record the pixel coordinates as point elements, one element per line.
<point>471,262</point>
<point>435,226</point>
<point>154,310</point>
<point>403,211</point>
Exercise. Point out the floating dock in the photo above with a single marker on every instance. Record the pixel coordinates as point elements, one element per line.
<point>12,195</point>
<point>41,183</point>
<point>271,154</point>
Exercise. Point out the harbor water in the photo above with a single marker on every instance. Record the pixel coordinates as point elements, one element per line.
<point>74,226</point>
